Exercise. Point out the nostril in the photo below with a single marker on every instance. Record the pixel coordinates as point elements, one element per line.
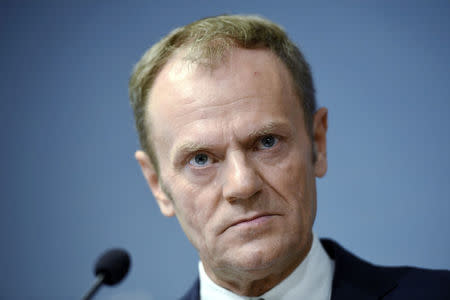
<point>248,196</point>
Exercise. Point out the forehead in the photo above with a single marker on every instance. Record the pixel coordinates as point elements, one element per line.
<point>184,75</point>
<point>248,86</point>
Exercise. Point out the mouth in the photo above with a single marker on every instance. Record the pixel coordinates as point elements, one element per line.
<point>256,220</point>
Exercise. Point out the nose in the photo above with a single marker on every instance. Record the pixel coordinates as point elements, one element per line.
<point>241,180</point>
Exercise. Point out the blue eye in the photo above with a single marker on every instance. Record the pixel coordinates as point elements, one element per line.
<point>199,160</point>
<point>268,141</point>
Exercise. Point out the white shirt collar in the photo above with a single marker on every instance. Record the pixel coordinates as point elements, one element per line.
<point>312,279</point>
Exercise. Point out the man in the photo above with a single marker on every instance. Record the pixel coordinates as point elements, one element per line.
<point>232,143</point>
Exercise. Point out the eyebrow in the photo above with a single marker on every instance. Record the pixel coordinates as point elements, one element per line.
<point>192,147</point>
<point>268,128</point>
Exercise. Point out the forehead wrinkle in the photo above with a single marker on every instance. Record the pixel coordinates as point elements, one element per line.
<point>211,109</point>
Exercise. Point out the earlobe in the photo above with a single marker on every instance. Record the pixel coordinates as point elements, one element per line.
<point>155,184</point>
<point>320,141</point>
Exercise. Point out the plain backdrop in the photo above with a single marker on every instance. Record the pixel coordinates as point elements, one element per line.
<point>70,187</point>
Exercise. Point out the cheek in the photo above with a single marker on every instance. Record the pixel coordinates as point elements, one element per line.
<point>189,218</point>
<point>195,208</point>
<point>288,176</point>
<point>293,179</point>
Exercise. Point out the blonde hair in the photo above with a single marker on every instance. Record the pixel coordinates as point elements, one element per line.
<point>207,41</point>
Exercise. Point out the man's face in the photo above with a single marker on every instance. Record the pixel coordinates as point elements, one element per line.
<point>236,162</point>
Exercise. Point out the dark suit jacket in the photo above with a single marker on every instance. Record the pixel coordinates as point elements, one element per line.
<point>359,280</point>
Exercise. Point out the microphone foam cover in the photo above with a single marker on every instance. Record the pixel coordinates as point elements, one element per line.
<point>114,265</point>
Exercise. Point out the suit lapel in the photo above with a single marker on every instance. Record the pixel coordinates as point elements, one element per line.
<point>356,279</point>
<point>194,292</point>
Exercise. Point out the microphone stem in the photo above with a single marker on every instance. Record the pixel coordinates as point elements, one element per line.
<point>98,283</point>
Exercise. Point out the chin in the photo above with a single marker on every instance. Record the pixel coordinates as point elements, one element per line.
<point>254,259</point>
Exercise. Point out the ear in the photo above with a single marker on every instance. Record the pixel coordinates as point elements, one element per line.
<point>154,182</point>
<point>320,123</point>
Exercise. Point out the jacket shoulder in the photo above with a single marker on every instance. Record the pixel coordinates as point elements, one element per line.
<point>355,276</point>
<point>417,283</point>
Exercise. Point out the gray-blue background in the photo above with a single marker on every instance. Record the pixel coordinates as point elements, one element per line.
<point>70,187</point>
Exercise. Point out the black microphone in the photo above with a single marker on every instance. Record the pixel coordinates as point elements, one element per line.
<point>110,269</point>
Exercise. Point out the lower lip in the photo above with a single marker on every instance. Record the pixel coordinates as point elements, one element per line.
<point>255,222</point>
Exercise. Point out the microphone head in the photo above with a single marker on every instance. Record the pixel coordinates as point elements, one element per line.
<point>113,265</point>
